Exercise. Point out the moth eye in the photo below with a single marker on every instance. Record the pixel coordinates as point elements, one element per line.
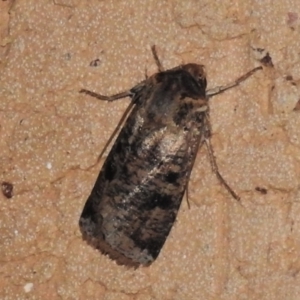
<point>202,81</point>
<point>201,76</point>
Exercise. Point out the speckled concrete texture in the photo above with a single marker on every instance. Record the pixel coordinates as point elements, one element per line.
<point>50,135</point>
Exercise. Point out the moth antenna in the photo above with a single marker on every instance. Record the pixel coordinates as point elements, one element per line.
<point>157,61</point>
<point>220,89</point>
<point>106,98</point>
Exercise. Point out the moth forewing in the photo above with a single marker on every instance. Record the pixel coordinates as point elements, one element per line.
<point>136,197</point>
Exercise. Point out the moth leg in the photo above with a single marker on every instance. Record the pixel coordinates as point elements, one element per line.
<point>216,170</point>
<point>129,93</point>
<point>192,161</point>
<point>213,161</point>
<point>146,73</point>
<point>117,129</point>
<point>107,98</point>
<point>157,61</point>
<point>220,89</point>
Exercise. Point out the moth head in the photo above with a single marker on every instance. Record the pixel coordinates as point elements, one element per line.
<point>198,72</point>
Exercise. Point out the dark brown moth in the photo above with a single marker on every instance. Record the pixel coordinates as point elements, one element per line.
<point>138,192</point>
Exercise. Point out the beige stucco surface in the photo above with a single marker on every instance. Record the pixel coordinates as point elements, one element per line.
<point>50,135</point>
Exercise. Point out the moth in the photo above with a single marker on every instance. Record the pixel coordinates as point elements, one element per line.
<point>138,192</point>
